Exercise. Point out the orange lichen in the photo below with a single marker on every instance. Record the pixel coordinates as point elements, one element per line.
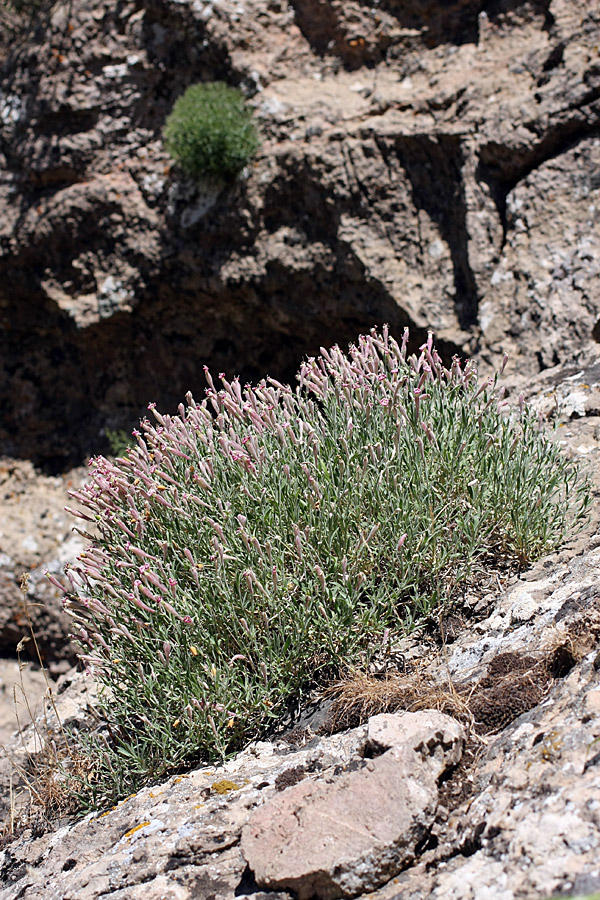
<point>135,828</point>
<point>223,787</point>
<point>108,811</point>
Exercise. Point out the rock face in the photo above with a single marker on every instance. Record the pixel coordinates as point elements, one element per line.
<point>423,164</point>
<point>184,836</point>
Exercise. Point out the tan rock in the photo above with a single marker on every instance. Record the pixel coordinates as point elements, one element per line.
<point>436,738</point>
<point>339,839</point>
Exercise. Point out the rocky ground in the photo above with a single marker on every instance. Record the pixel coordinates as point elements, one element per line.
<point>35,536</point>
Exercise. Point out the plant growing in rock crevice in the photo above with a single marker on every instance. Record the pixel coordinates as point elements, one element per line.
<point>265,537</point>
<point>210,131</point>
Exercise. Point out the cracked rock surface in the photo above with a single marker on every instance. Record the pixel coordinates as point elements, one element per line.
<point>183,837</point>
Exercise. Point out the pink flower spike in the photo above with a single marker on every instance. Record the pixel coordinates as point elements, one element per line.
<point>141,605</point>
<point>171,610</point>
<point>55,582</point>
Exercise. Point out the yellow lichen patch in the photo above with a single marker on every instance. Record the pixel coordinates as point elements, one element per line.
<point>135,828</point>
<point>551,746</point>
<point>107,813</point>
<point>120,803</point>
<point>223,787</point>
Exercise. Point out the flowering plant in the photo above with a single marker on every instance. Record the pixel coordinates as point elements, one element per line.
<point>263,538</point>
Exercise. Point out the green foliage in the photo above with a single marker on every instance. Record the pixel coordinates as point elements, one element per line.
<point>119,441</point>
<point>266,537</point>
<point>210,131</point>
<point>579,897</point>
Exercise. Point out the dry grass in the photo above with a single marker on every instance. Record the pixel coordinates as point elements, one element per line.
<point>359,696</point>
<point>514,683</point>
<point>38,791</point>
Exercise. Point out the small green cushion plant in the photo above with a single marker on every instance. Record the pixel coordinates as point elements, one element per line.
<point>210,131</point>
<point>267,537</point>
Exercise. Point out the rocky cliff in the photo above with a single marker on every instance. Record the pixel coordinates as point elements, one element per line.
<point>431,164</point>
